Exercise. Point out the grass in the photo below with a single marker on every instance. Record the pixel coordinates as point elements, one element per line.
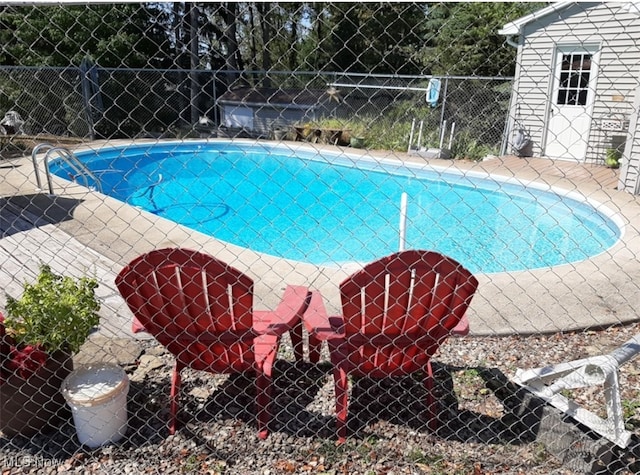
<point>631,414</point>
<point>439,465</point>
<point>337,453</point>
<point>470,385</point>
<point>13,146</point>
<point>393,133</point>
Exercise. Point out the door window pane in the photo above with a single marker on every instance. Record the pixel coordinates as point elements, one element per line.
<point>574,79</point>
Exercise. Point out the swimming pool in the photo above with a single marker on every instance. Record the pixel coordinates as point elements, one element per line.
<point>332,208</point>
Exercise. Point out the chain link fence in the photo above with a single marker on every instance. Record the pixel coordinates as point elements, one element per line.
<point>93,102</point>
<point>270,238</point>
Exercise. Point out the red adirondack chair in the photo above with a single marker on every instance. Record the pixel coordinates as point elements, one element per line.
<point>201,310</point>
<point>396,312</point>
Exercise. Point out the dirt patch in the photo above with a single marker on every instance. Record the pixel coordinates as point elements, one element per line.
<point>14,146</point>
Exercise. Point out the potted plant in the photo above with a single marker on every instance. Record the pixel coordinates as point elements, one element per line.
<point>303,131</point>
<point>612,158</point>
<point>357,139</point>
<point>38,337</point>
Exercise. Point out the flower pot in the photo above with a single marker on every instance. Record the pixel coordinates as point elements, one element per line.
<point>357,142</point>
<point>612,158</point>
<point>280,133</point>
<point>302,132</point>
<point>36,404</point>
<point>612,163</point>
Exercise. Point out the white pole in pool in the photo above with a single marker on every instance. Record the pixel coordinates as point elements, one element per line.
<point>403,221</point>
<point>420,134</point>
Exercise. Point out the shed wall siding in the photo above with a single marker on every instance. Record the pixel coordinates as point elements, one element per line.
<point>617,33</point>
<point>267,119</point>
<point>630,170</point>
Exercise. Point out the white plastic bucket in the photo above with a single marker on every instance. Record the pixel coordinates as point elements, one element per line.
<point>97,396</point>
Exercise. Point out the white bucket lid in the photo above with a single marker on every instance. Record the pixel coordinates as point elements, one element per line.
<point>94,385</point>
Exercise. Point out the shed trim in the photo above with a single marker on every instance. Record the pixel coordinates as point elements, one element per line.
<point>516,26</point>
<point>266,104</point>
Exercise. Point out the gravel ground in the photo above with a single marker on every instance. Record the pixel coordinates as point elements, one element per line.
<point>478,435</point>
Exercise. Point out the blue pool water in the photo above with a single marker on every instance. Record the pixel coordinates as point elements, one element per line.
<point>334,208</point>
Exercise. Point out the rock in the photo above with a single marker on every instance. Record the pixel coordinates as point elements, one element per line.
<point>199,393</point>
<point>98,349</point>
<point>147,364</point>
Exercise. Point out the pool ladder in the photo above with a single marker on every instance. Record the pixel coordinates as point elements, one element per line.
<point>68,157</point>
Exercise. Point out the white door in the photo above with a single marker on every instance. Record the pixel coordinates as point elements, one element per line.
<point>571,107</point>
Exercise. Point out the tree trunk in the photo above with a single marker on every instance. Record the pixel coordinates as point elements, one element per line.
<point>264,8</point>
<point>194,63</point>
<point>231,42</point>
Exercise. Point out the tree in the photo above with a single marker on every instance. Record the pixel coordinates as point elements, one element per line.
<point>457,38</point>
<point>467,42</point>
<point>130,35</point>
<point>373,37</point>
<point>315,46</point>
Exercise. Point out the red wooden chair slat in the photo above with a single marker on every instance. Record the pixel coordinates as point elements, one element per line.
<point>201,310</point>
<point>396,312</point>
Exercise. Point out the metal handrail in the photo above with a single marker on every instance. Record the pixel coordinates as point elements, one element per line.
<point>77,166</point>
<point>79,169</point>
<point>34,159</point>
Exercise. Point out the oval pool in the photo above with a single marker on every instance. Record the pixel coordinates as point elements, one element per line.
<point>331,208</point>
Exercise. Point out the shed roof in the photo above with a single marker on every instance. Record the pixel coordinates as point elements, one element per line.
<point>260,97</point>
<point>515,27</point>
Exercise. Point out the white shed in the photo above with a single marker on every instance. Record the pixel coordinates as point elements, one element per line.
<point>259,110</point>
<point>577,83</point>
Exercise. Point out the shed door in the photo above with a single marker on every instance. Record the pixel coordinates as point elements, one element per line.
<point>569,120</point>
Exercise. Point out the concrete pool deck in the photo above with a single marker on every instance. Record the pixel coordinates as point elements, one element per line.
<point>82,232</point>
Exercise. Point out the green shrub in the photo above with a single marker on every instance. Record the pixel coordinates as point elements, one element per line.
<point>56,312</point>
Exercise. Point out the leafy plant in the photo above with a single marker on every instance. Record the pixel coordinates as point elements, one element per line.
<point>386,134</point>
<point>55,313</point>
<point>629,410</point>
<point>612,157</point>
<point>333,123</point>
<point>467,147</point>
